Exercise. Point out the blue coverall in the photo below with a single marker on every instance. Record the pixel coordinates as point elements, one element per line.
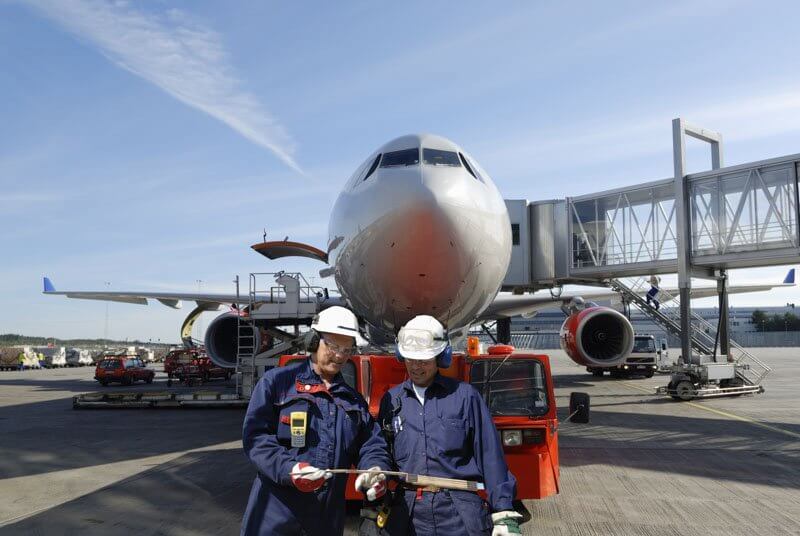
<point>340,431</point>
<point>452,435</point>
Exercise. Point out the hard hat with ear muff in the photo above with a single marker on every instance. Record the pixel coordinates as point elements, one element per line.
<point>422,338</point>
<point>336,320</point>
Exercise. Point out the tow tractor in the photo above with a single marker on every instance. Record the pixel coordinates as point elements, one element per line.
<point>517,387</point>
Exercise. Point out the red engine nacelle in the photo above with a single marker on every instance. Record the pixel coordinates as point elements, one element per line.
<point>597,337</point>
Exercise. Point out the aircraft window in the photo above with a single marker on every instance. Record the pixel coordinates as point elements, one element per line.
<point>437,157</point>
<point>466,165</point>
<point>406,157</point>
<point>373,167</point>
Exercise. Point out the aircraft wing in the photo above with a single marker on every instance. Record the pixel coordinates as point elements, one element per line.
<point>508,305</point>
<point>175,300</point>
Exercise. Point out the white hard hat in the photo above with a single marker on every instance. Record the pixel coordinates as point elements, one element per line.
<point>422,337</point>
<point>339,321</point>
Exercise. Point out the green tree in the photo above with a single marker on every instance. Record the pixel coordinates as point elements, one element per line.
<point>759,319</point>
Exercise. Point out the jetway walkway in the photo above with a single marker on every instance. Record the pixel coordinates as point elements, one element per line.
<point>695,225</point>
<point>737,217</point>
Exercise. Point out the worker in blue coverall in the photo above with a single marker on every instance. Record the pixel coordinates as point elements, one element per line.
<point>440,426</point>
<point>302,420</point>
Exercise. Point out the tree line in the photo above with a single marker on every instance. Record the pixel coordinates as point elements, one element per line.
<point>776,322</point>
<point>15,339</point>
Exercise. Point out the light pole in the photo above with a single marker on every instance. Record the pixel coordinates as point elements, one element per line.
<point>105,331</point>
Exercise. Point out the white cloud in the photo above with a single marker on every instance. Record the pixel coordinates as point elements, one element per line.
<point>178,55</point>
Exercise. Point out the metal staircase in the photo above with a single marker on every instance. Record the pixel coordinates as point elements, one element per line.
<point>749,369</point>
<point>246,351</point>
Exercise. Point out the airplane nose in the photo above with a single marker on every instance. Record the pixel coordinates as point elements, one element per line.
<point>426,243</point>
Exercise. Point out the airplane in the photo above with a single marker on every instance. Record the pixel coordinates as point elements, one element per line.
<point>419,228</point>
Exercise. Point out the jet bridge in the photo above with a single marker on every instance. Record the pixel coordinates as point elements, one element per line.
<point>696,225</point>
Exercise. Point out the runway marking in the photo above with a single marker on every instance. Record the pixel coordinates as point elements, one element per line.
<point>733,416</point>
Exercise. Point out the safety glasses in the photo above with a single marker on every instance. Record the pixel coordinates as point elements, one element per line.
<point>346,351</point>
<point>416,340</point>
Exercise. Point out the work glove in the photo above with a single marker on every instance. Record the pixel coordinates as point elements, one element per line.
<point>506,522</point>
<point>372,484</point>
<point>308,478</point>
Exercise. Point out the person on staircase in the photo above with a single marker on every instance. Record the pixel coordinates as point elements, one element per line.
<point>652,294</point>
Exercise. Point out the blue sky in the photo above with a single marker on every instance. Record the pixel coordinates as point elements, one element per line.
<point>148,144</point>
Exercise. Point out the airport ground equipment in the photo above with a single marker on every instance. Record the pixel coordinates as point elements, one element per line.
<point>697,225</point>
<point>259,334</point>
<point>711,374</point>
<point>77,357</point>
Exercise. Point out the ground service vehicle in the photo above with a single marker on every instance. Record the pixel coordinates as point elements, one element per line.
<point>518,389</point>
<point>125,370</point>
<point>642,361</point>
<point>191,368</point>
<point>664,363</point>
<point>175,357</point>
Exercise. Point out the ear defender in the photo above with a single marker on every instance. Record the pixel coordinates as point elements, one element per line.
<point>397,354</point>
<point>444,359</point>
<point>312,340</point>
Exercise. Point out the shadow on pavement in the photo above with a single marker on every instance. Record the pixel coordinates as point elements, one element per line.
<point>198,493</point>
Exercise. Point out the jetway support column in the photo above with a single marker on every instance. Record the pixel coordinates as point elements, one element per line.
<point>724,333</point>
<point>504,330</point>
<point>683,228</point>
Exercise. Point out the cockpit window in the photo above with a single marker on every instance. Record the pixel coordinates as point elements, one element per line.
<point>437,157</point>
<point>373,167</point>
<point>466,165</point>
<point>406,157</point>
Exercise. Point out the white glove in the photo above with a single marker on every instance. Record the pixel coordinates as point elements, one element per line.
<point>506,523</point>
<point>307,478</point>
<point>372,484</point>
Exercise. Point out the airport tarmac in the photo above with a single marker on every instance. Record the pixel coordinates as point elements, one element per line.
<point>645,465</point>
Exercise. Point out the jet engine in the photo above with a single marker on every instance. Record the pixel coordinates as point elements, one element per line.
<point>222,339</point>
<point>597,337</point>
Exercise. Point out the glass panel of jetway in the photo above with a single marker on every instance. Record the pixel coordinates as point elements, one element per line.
<point>625,227</point>
<point>737,217</point>
<point>744,213</point>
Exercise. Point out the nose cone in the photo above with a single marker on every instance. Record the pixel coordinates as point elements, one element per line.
<point>420,240</point>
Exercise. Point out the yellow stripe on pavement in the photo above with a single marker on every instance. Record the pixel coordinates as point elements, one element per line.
<point>733,416</point>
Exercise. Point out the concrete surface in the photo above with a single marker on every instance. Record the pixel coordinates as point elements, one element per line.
<point>643,466</point>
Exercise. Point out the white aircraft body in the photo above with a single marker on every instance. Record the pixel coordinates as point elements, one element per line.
<point>419,228</point>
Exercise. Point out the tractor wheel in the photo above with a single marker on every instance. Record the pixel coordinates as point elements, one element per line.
<point>684,390</point>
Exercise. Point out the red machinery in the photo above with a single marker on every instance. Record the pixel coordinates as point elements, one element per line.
<point>192,367</point>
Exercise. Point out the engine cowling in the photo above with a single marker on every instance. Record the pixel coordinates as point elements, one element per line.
<point>222,339</point>
<point>597,337</point>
